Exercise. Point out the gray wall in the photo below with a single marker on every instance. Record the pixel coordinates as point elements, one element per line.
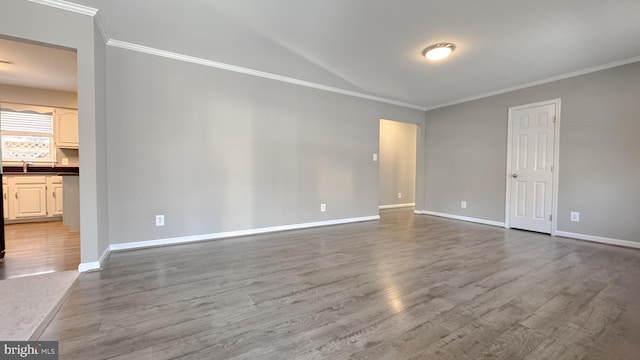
<point>397,162</point>
<point>466,148</point>
<point>35,22</point>
<point>217,151</point>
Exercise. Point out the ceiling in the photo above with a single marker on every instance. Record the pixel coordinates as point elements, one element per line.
<point>374,46</point>
<point>37,66</point>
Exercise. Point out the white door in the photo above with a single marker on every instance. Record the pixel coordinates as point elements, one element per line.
<point>531,166</point>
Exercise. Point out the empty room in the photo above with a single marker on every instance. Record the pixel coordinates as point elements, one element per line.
<point>330,179</point>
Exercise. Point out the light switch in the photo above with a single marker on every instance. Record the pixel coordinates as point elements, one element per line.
<point>375,157</point>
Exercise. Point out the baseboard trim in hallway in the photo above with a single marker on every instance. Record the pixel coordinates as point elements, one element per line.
<point>396,206</point>
<point>230,234</point>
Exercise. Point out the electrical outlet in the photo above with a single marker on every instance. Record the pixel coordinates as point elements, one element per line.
<point>399,195</point>
<point>375,157</point>
<point>159,220</point>
<point>323,207</point>
<point>463,204</point>
<point>575,216</point>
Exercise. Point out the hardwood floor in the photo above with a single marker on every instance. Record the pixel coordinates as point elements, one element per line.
<point>36,248</point>
<point>406,287</point>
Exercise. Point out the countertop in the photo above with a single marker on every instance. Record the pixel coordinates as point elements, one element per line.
<point>42,170</point>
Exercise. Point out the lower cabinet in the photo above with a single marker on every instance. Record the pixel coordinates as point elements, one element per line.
<point>54,196</point>
<point>32,197</point>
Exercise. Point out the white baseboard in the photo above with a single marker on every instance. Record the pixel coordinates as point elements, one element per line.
<point>395,206</point>
<point>599,239</point>
<point>458,217</point>
<point>229,234</point>
<point>95,265</point>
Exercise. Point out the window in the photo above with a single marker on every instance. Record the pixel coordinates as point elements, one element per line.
<point>27,136</point>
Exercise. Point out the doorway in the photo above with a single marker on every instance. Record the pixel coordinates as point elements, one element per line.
<point>40,154</point>
<point>397,164</point>
<point>532,166</point>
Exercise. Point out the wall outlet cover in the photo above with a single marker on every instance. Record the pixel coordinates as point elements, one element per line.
<point>575,216</point>
<point>159,220</point>
<point>323,207</point>
<point>463,204</point>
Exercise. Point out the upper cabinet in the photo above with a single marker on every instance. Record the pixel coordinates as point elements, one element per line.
<point>66,132</point>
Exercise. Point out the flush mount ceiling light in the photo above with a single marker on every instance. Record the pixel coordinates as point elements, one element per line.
<point>438,51</point>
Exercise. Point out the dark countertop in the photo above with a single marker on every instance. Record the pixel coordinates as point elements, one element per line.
<point>42,170</point>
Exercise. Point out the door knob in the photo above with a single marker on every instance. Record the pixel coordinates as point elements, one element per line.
<point>514,175</point>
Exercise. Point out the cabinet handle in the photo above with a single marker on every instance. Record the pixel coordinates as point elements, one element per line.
<point>16,195</point>
<point>54,195</point>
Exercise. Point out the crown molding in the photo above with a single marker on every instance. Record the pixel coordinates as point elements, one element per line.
<point>252,72</point>
<point>69,6</point>
<point>540,82</point>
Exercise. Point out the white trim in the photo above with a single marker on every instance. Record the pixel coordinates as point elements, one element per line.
<point>252,72</point>
<point>540,82</point>
<point>458,217</point>
<point>90,266</point>
<point>395,206</point>
<point>599,239</point>
<point>102,27</point>
<point>95,265</point>
<point>556,162</point>
<point>68,6</point>
<point>229,234</point>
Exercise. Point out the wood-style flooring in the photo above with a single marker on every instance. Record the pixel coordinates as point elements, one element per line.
<point>37,248</point>
<point>406,287</point>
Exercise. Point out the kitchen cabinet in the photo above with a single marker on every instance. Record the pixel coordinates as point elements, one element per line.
<point>32,197</point>
<point>54,196</point>
<point>66,128</point>
<point>27,197</point>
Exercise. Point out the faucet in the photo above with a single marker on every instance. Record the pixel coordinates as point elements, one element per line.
<point>25,165</point>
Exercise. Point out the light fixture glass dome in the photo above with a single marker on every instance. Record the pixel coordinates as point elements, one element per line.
<point>438,51</point>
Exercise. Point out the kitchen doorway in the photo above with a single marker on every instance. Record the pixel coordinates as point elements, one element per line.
<point>40,162</point>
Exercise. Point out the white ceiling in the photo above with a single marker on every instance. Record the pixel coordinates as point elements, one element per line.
<point>374,46</point>
<point>37,66</point>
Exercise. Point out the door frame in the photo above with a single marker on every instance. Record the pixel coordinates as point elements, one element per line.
<point>556,162</point>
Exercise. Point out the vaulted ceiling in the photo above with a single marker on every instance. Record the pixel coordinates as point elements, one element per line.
<point>374,46</point>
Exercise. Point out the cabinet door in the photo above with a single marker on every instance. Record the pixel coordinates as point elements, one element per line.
<point>28,199</point>
<point>56,200</point>
<point>66,131</point>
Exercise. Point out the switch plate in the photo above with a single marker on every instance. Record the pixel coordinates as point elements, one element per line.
<point>399,195</point>
<point>159,220</point>
<point>375,157</point>
<point>463,204</point>
<point>575,216</point>
<point>323,207</point>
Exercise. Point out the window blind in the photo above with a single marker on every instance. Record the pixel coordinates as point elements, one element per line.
<point>26,122</point>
